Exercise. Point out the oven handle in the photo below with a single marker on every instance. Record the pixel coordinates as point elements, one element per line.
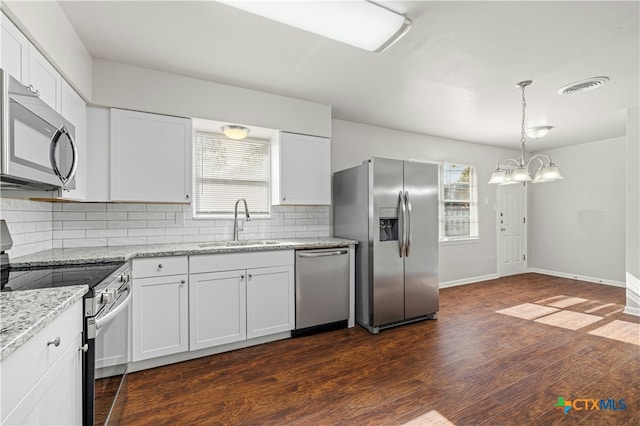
<point>110,316</point>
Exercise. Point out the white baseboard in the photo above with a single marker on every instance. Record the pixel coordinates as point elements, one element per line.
<point>633,295</point>
<point>578,277</point>
<point>470,280</point>
<point>632,311</point>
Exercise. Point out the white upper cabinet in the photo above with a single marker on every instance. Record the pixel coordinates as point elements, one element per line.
<point>14,50</point>
<point>44,79</point>
<point>301,167</point>
<point>74,109</point>
<point>150,157</point>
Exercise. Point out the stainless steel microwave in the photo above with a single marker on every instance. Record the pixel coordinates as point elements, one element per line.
<point>38,149</point>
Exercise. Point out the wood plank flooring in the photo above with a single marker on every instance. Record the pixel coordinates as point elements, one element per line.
<point>472,366</point>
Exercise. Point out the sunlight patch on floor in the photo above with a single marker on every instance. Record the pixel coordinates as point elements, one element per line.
<point>566,302</point>
<point>432,418</point>
<point>570,320</point>
<point>528,311</point>
<point>622,331</point>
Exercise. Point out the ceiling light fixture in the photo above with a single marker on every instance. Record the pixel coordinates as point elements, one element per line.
<point>359,23</point>
<point>233,131</point>
<point>537,132</point>
<point>519,171</point>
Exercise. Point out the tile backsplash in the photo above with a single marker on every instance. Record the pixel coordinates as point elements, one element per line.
<point>30,224</point>
<point>36,226</point>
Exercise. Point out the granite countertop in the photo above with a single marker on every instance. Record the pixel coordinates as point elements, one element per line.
<point>24,313</point>
<point>124,253</point>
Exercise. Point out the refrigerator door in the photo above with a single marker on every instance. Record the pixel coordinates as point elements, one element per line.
<point>421,262</point>
<point>386,259</point>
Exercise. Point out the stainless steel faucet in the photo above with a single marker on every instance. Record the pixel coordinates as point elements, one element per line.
<point>236,229</point>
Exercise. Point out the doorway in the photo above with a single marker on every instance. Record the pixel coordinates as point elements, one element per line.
<point>511,224</point>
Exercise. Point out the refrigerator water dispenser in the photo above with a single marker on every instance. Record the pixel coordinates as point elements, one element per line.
<point>388,224</point>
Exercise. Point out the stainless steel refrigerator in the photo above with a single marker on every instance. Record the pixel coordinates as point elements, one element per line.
<point>391,208</point>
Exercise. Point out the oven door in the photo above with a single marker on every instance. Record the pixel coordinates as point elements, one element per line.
<point>111,357</point>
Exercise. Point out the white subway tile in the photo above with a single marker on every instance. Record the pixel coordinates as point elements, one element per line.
<point>22,227</point>
<point>324,209</point>
<point>99,233</point>
<point>306,208</point>
<point>281,209</point>
<point>35,237</point>
<point>164,207</point>
<point>128,241</point>
<point>69,216</point>
<point>56,224</point>
<point>317,228</point>
<point>67,234</point>
<point>306,221</point>
<point>107,216</point>
<point>318,215</point>
<point>145,232</point>
<point>56,207</point>
<point>145,216</point>
<point>307,234</point>
<point>164,239</point>
<point>84,224</point>
<point>197,238</point>
<point>126,224</point>
<point>182,231</point>
<point>283,235</point>
<point>56,244</point>
<point>84,207</point>
<point>323,233</point>
<point>295,228</point>
<point>124,207</point>
<point>295,215</point>
<point>92,242</point>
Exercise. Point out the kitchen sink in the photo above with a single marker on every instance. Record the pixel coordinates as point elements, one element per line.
<point>239,243</point>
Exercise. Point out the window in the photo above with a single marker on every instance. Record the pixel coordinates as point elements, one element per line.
<point>458,202</point>
<point>226,170</point>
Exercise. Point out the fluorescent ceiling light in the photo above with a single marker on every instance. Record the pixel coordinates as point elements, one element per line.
<point>359,23</point>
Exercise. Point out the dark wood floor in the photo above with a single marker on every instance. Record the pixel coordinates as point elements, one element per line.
<point>473,366</point>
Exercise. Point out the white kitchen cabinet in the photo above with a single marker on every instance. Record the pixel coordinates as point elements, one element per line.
<point>14,50</point>
<point>160,324</point>
<point>270,301</point>
<point>301,167</point>
<point>217,308</point>
<point>44,78</point>
<point>74,109</point>
<point>150,157</point>
<point>41,382</point>
<point>238,296</point>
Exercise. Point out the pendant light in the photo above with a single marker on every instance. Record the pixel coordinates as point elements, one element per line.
<point>510,170</point>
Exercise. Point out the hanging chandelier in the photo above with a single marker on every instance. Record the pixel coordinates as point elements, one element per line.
<point>509,170</point>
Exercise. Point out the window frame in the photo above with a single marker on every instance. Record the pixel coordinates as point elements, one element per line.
<point>474,220</point>
<point>230,214</point>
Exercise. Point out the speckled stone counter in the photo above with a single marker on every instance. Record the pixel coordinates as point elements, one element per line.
<point>124,253</point>
<point>24,313</point>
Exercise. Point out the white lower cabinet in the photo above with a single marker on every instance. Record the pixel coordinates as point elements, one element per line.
<point>239,296</point>
<point>160,324</point>
<point>42,382</point>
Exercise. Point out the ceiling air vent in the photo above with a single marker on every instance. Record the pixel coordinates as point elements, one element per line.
<point>582,86</point>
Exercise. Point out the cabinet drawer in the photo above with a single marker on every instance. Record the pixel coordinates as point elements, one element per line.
<point>230,261</point>
<point>26,366</point>
<point>160,266</point>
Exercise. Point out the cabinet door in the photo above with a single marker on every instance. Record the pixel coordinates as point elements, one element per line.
<point>14,50</point>
<point>160,316</point>
<point>150,157</point>
<point>305,170</point>
<point>270,301</point>
<point>44,78</point>
<point>57,397</point>
<point>217,308</point>
<point>74,109</point>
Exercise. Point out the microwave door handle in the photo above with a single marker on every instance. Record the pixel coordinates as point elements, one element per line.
<point>52,156</point>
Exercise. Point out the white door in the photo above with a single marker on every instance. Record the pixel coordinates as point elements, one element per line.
<point>270,301</point>
<point>512,229</point>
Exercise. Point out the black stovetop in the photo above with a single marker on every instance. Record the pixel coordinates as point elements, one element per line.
<point>30,278</point>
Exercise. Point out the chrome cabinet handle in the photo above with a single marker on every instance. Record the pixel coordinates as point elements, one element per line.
<point>84,348</point>
<point>503,229</point>
<point>250,276</point>
<point>323,254</point>
<point>55,342</point>
<point>186,196</point>
<point>160,266</point>
<point>183,281</point>
<point>242,276</point>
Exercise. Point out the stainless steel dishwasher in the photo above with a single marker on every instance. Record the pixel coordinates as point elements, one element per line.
<point>322,290</point>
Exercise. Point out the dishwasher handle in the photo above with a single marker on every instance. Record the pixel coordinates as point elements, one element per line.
<point>323,253</point>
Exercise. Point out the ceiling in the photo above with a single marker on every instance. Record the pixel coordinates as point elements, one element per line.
<point>453,75</point>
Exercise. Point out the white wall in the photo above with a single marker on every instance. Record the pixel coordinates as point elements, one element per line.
<point>353,143</point>
<point>577,225</point>
<point>47,27</point>
<point>129,87</point>
<point>633,211</point>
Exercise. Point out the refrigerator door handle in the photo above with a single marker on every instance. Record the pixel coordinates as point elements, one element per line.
<point>401,219</point>
<point>407,201</point>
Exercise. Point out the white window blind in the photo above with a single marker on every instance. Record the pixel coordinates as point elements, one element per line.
<point>458,201</point>
<point>226,170</point>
